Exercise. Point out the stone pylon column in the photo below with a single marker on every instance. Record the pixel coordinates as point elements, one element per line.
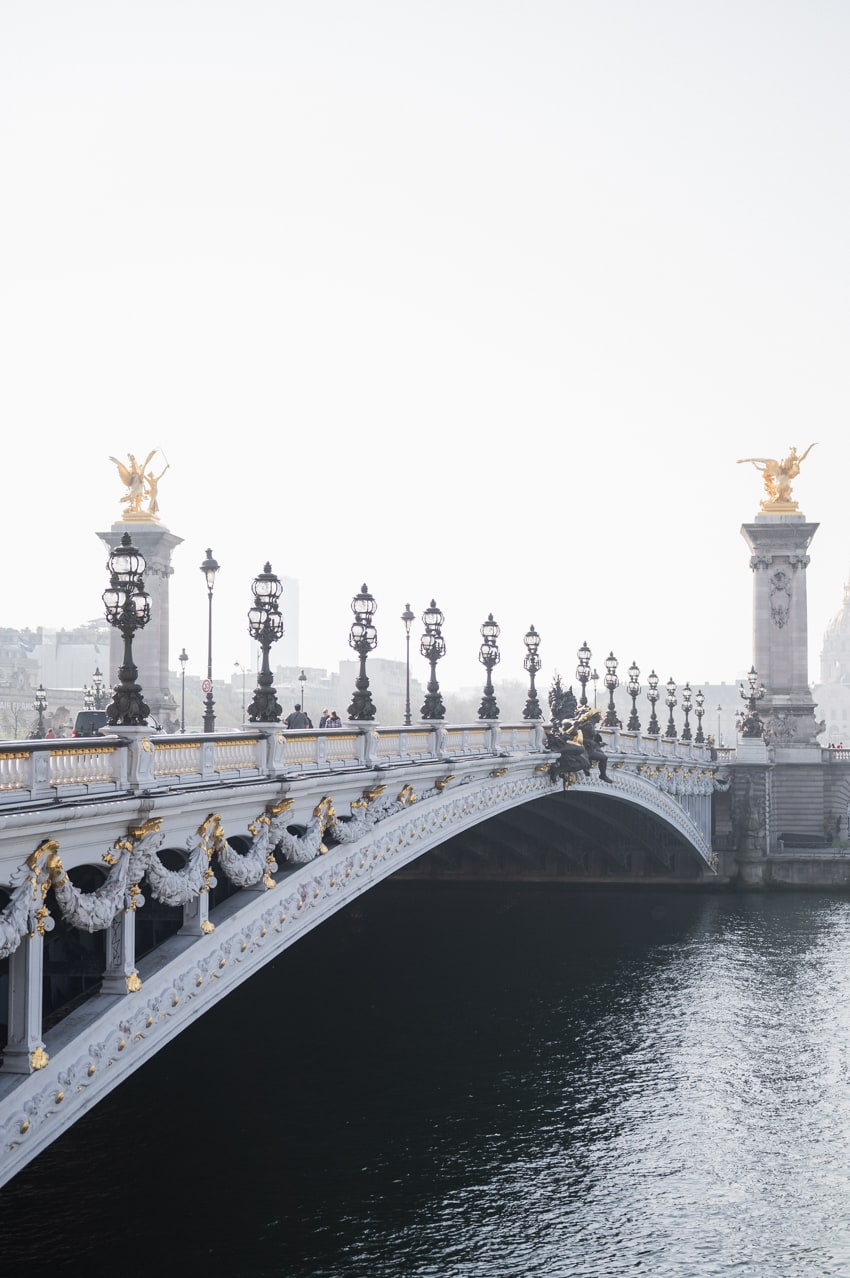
<point>150,645</point>
<point>120,975</point>
<point>24,1052</point>
<point>779,544</point>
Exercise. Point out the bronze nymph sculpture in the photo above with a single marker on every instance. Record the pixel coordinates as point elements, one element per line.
<point>777,474</point>
<point>141,485</point>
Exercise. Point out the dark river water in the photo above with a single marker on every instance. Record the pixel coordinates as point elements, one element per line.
<point>476,1083</point>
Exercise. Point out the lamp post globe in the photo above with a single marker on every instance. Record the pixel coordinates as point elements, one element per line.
<point>432,647</point>
<point>687,706</point>
<point>128,609</point>
<point>39,704</point>
<point>699,711</point>
<point>583,671</point>
<point>489,656</point>
<point>183,658</point>
<point>97,688</point>
<point>611,682</point>
<point>652,695</point>
<point>532,663</point>
<point>408,619</point>
<point>209,568</point>
<point>633,689</point>
<point>265,626</point>
<point>363,638</point>
<point>671,702</point>
<point>752,725</point>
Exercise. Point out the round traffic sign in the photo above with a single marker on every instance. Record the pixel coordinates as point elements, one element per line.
<point>206,685</point>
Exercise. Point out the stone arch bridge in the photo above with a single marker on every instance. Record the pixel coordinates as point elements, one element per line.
<point>144,877</point>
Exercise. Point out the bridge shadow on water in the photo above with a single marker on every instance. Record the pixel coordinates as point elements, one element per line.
<point>313,1122</point>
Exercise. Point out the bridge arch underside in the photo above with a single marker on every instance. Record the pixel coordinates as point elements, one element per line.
<point>576,835</point>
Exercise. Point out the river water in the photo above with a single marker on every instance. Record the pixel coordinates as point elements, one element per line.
<point>471,1082</point>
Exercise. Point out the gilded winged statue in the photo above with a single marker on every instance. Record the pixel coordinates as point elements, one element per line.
<point>777,475</point>
<point>141,484</point>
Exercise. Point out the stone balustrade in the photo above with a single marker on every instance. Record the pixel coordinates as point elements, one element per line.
<point>46,771</point>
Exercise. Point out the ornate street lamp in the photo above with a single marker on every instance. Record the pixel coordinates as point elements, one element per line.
<point>532,664</point>
<point>128,609</point>
<point>408,618</point>
<point>670,701</point>
<point>583,671</point>
<point>611,682</point>
<point>699,711</point>
<point>183,658</point>
<point>489,656</point>
<point>97,688</point>
<point>265,626</point>
<point>686,710</point>
<point>209,568</point>
<point>433,647</point>
<point>633,689</point>
<point>88,698</point>
<point>752,725</point>
<point>363,638</point>
<point>39,704</point>
<point>654,727</point>
<point>594,675</point>
<point>302,679</point>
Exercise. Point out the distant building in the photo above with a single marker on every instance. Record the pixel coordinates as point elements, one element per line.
<point>832,694</point>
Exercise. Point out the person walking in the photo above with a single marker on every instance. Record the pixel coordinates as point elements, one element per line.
<point>333,720</point>
<point>323,722</point>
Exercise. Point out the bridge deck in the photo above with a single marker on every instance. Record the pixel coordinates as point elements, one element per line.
<point>298,823</point>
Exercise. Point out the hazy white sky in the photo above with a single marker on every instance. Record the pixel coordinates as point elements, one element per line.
<point>472,300</point>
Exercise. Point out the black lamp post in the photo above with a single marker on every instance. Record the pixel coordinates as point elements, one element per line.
<point>654,728</point>
<point>670,701</point>
<point>209,568</point>
<point>489,656</point>
<point>97,688</point>
<point>594,675</point>
<point>611,682</point>
<point>265,626</point>
<point>39,704</point>
<point>633,689</point>
<point>183,658</point>
<point>128,609</point>
<point>532,664</point>
<point>752,725</point>
<point>433,646</point>
<point>583,671</point>
<point>699,711</point>
<point>408,618</point>
<point>363,638</point>
<point>302,679</point>
<point>686,710</point>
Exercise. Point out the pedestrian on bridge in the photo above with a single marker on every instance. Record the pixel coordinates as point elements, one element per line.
<point>298,718</point>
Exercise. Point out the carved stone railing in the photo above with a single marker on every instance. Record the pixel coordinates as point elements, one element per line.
<point>41,772</point>
<point>46,771</point>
